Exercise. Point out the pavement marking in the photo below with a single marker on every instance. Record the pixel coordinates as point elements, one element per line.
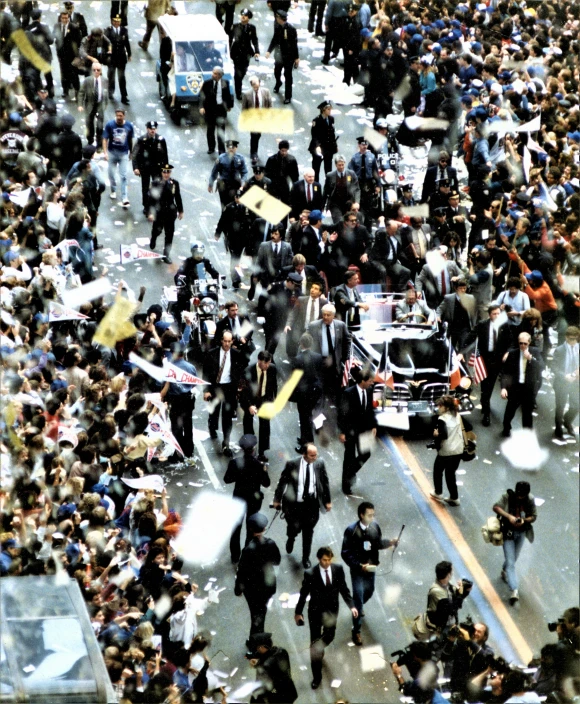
<point>207,465</point>
<point>454,533</point>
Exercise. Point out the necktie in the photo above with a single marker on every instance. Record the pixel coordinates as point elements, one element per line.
<point>261,385</point>
<point>363,401</point>
<point>221,369</point>
<point>494,339</point>
<point>312,310</point>
<point>308,193</point>
<point>327,578</point>
<point>215,88</point>
<point>363,166</point>
<point>97,89</point>
<point>524,366</point>
<point>443,285</point>
<point>256,100</point>
<point>306,493</point>
<point>329,342</point>
<point>276,250</point>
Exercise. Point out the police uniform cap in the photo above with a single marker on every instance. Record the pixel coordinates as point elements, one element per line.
<point>257,523</point>
<point>247,13</point>
<point>258,169</point>
<point>362,140</point>
<point>453,194</point>
<point>523,198</point>
<point>232,143</point>
<point>282,14</point>
<point>352,7</point>
<point>116,17</point>
<point>152,124</point>
<point>324,104</point>
<point>414,59</point>
<point>388,46</point>
<point>248,441</point>
<point>167,167</point>
<point>439,211</point>
<point>69,3</point>
<point>407,187</point>
<point>295,278</point>
<point>239,192</point>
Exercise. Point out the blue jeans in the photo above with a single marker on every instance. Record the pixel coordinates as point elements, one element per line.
<point>511,551</point>
<point>363,587</point>
<point>121,159</point>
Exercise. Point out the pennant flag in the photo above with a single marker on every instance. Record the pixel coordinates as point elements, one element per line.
<point>159,428</point>
<point>67,243</point>
<point>132,253</point>
<point>179,376</point>
<point>384,374</point>
<point>57,312</point>
<point>270,409</point>
<point>157,373</point>
<point>534,125</point>
<point>267,120</point>
<point>74,297</point>
<point>115,326</point>
<point>479,369</point>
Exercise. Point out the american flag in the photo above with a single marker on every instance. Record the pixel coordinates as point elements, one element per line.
<point>347,367</point>
<point>479,370</point>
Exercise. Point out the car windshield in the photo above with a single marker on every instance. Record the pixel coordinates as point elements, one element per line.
<point>418,354</point>
<point>199,56</point>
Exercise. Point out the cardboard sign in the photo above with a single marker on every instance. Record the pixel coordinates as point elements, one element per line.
<point>264,205</point>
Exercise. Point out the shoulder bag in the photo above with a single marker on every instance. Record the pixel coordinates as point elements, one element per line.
<point>469,443</point>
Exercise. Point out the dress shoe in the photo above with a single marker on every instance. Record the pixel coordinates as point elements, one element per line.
<point>486,420</point>
<point>143,46</point>
<point>315,684</point>
<point>168,259</point>
<point>239,96</point>
<point>437,497</point>
<point>570,430</point>
<point>325,62</point>
<point>226,451</point>
<point>211,151</point>
<point>453,502</point>
<point>558,434</point>
<point>213,434</point>
<point>126,101</point>
<point>306,564</point>
<point>289,545</point>
<point>277,87</point>
<point>514,597</point>
<point>97,246</point>
<point>357,639</point>
<point>287,101</point>
<point>506,433</point>
<point>152,244</point>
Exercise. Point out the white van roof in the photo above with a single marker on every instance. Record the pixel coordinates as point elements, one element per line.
<point>191,28</point>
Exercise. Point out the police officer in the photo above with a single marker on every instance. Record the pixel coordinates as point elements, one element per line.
<point>323,145</point>
<point>243,45</point>
<point>149,155</point>
<point>256,578</point>
<point>235,223</point>
<point>259,179</point>
<point>165,205</point>
<point>230,171</point>
<point>334,19</point>
<point>284,44</point>
<point>364,164</point>
<point>120,56</point>
<point>248,475</point>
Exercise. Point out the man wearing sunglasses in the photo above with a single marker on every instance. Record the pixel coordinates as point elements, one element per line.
<point>440,170</point>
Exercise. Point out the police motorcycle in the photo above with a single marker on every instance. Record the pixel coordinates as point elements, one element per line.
<point>389,160</point>
<point>196,299</point>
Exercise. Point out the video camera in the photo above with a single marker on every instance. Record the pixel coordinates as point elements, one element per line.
<point>553,626</point>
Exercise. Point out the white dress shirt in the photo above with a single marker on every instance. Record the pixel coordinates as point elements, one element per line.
<point>323,574</point>
<point>218,95</point>
<point>523,365</point>
<point>312,311</point>
<point>226,376</point>
<point>302,479</point>
<point>324,344</point>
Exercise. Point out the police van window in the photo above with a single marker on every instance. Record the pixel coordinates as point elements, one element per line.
<point>209,54</point>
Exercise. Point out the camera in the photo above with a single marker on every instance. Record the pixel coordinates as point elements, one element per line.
<point>553,627</point>
<point>431,445</point>
<point>467,587</point>
<point>497,664</point>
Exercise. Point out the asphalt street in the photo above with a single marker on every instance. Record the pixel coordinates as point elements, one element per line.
<point>396,476</point>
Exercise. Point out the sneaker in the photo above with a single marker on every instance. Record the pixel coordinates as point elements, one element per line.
<point>503,575</point>
<point>126,203</point>
<point>113,195</point>
<point>514,597</point>
<point>437,497</point>
<point>452,502</point>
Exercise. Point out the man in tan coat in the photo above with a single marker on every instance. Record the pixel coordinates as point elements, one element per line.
<point>256,98</point>
<point>153,11</point>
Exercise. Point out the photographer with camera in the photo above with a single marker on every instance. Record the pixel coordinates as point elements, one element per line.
<point>566,653</point>
<point>417,659</point>
<point>272,670</point>
<point>444,600</point>
<point>466,654</point>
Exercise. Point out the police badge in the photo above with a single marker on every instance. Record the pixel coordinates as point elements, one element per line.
<point>194,82</point>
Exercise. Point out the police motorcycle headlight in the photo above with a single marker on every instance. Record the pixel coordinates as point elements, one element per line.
<point>390,177</point>
<point>207,305</point>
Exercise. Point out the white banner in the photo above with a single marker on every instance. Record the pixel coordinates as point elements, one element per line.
<point>74,297</point>
<point>132,253</point>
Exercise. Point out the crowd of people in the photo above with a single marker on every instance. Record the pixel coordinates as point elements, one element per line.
<point>492,87</point>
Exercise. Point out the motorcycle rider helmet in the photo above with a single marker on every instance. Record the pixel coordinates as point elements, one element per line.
<point>197,250</point>
<point>381,124</point>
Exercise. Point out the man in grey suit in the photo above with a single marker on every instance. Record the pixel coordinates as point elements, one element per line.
<point>436,284</point>
<point>348,300</point>
<point>302,491</point>
<point>341,189</point>
<point>306,310</point>
<point>94,98</point>
<point>257,98</point>
<point>566,374</point>
<point>273,256</point>
<point>332,340</point>
<point>459,311</point>
<point>413,310</point>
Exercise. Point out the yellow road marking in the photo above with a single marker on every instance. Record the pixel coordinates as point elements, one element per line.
<point>482,580</point>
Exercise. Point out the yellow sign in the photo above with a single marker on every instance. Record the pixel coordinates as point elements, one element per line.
<point>264,205</point>
<point>29,52</point>
<point>267,120</point>
<point>115,325</point>
<point>270,409</point>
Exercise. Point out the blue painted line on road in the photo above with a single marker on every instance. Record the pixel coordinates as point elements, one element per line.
<point>487,613</point>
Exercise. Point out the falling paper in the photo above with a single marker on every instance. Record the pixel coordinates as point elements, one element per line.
<point>523,450</point>
<point>74,297</point>
<point>319,420</point>
<point>335,684</point>
<point>539,501</point>
<point>372,658</point>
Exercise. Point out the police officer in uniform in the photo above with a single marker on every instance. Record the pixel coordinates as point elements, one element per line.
<point>335,18</point>
<point>149,155</point>
<point>323,145</point>
<point>235,223</point>
<point>120,56</point>
<point>259,179</point>
<point>256,578</point>
<point>284,44</point>
<point>243,45</point>
<point>364,164</point>
<point>248,475</point>
<point>165,205</point>
<point>230,171</point>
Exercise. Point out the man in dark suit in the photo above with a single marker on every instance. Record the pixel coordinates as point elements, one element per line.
<point>360,550</point>
<point>260,386</point>
<point>248,475</point>
<point>459,311</point>
<point>222,368</point>
<point>306,310</point>
<point>119,57</point>
<point>385,257</point>
<point>306,194</point>
<point>521,378</point>
<point>439,171</point>
<point>240,327</point>
<point>566,374</point>
<point>273,307</point>
<point>94,98</point>
<point>309,390</point>
<point>493,341</point>
<point>67,38</point>
<point>243,45</point>
<point>215,103</point>
<point>302,491</point>
<point>341,189</point>
<point>332,340</point>
<point>435,284</point>
<point>256,577</point>
<point>358,426</point>
<point>41,39</point>
<point>308,238</point>
<point>348,301</point>
<point>282,170</point>
<point>323,583</point>
<point>235,222</point>
<point>284,44</point>
<point>273,256</point>
<point>457,217</point>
